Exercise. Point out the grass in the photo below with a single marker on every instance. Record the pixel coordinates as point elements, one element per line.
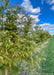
<point>48,65</point>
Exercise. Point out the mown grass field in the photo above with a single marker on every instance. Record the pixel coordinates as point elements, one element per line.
<point>48,64</point>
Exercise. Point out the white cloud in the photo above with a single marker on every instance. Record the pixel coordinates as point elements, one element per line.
<point>51,29</point>
<point>47,26</point>
<point>22,18</point>
<point>35,17</point>
<point>52,8</point>
<point>50,2</point>
<point>29,8</point>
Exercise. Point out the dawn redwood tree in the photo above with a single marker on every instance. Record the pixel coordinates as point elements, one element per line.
<point>13,47</point>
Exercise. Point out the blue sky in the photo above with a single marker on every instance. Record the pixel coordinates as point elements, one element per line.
<point>41,10</point>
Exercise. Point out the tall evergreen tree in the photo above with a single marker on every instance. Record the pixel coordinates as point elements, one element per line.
<point>13,47</point>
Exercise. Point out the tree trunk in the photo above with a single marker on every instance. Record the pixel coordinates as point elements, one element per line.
<point>6,71</point>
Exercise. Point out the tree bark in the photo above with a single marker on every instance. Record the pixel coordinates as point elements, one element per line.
<point>6,71</point>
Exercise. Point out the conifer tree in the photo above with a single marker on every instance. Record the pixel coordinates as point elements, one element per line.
<point>13,47</point>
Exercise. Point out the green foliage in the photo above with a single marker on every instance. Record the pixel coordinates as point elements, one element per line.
<point>18,44</point>
<point>14,47</point>
<point>39,35</point>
